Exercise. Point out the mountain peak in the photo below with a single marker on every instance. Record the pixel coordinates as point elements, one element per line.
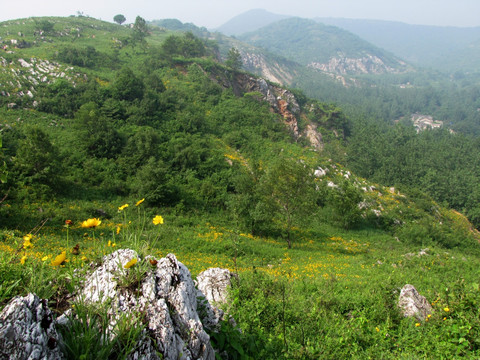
<point>250,20</point>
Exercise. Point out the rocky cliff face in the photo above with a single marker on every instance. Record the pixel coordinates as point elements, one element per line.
<point>270,70</point>
<point>282,102</point>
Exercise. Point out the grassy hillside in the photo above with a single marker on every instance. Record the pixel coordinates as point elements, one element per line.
<point>152,120</point>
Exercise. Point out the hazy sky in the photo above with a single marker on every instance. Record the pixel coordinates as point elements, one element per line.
<point>216,12</point>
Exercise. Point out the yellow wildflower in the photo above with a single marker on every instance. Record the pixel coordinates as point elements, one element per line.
<point>157,220</point>
<point>59,259</point>
<point>22,260</point>
<point>45,258</point>
<point>119,227</point>
<point>417,324</point>
<point>120,208</point>
<point>129,264</point>
<point>446,309</point>
<point>109,243</point>
<point>91,223</point>
<point>377,329</point>
<point>26,243</point>
<point>139,202</point>
<point>84,258</point>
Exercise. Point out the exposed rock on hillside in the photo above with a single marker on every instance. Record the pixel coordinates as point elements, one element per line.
<point>20,78</point>
<point>369,64</point>
<point>273,71</point>
<point>425,122</point>
<point>212,285</point>
<point>159,295</point>
<point>281,100</point>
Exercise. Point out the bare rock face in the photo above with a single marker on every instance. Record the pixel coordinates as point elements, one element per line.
<point>411,303</point>
<point>27,330</point>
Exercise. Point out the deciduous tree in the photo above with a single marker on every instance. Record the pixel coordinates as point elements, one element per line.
<point>119,19</point>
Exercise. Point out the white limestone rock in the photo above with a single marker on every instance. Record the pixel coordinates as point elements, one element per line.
<point>411,303</point>
<point>27,330</point>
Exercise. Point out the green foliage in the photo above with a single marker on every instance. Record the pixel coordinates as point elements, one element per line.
<point>344,201</point>
<point>287,194</point>
<point>3,165</point>
<point>100,138</point>
<point>60,97</point>
<point>45,26</point>
<point>37,160</point>
<point>187,46</point>
<point>232,344</point>
<point>140,31</point>
<point>87,57</point>
<point>87,334</point>
<point>234,59</point>
<point>127,86</point>
<point>119,19</point>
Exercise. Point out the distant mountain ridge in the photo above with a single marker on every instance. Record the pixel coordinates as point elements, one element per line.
<point>441,47</point>
<point>249,21</point>
<point>323,47</point>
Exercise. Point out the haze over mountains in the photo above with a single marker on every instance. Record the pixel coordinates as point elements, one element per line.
<point>442,48</point>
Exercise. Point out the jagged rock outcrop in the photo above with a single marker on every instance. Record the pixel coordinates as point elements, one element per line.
<point>281,100</point>
<point>160,294</point>
<point>27,330</point>
<point>411,303</point>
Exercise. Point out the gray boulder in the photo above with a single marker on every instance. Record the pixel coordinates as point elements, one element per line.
<point>212,285</point>
<point>411,303</point>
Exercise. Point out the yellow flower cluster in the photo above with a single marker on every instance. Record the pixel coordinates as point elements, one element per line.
<point>26,241</point>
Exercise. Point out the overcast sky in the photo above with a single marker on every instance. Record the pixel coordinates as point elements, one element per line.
<point>214,13</point>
